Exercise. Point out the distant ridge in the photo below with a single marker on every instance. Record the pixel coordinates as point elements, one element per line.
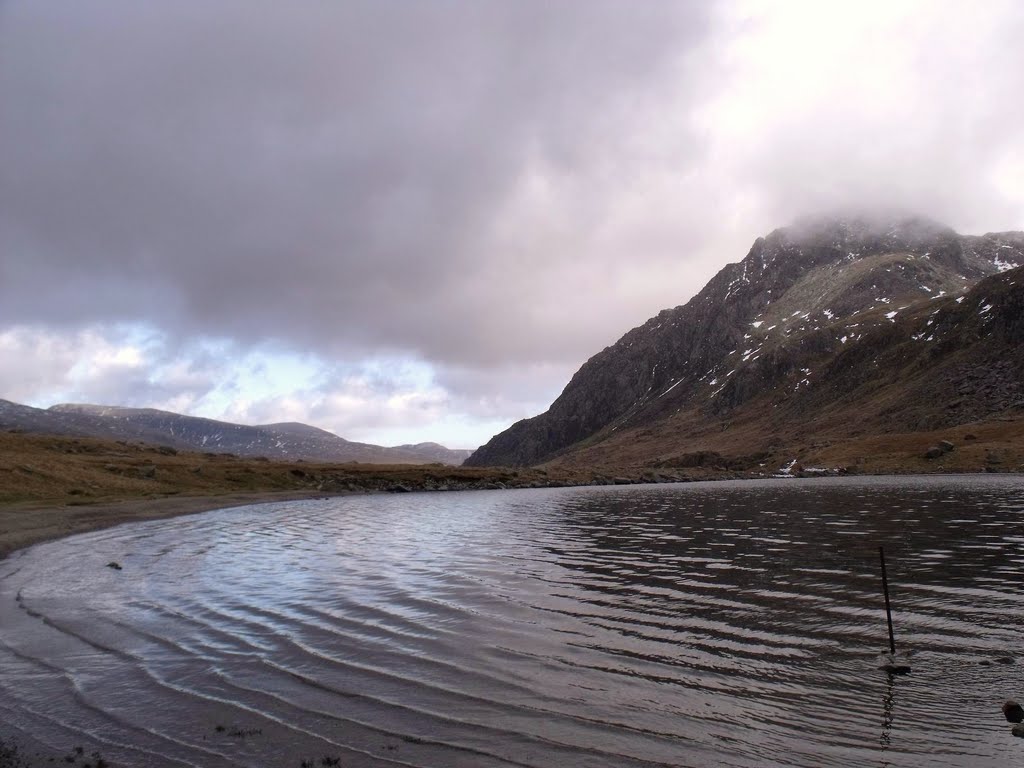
<point>289,440</point>
<point>833,329</point>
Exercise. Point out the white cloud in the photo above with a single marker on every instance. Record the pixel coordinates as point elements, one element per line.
<point>382,401</point>
<point>903,104</point>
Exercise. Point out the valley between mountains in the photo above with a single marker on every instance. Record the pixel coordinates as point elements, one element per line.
<point>836,345</point>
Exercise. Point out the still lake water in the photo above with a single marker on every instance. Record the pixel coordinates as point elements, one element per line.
<point>707,624</point>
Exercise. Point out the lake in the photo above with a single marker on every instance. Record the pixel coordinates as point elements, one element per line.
<point>705,624</point>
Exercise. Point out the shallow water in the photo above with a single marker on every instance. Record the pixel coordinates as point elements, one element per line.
<point>731,624</point>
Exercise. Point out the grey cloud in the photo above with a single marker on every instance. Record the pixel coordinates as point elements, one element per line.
<point>29,365</point>
<point>324,174</point>
<point>509,391</point>
<point>358,402</point>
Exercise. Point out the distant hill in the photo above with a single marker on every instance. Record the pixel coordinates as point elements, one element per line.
<point>832,330</point>
<point>435,452</point>
<point>278,441</point>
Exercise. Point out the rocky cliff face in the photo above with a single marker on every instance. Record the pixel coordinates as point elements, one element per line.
<point>278,441</point>
<point>835,294</point>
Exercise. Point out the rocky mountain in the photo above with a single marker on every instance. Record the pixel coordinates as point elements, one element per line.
<point>830,330</point>
<point>278,441</point>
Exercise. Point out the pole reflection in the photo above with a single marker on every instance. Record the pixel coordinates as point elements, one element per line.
<point>889,710</point>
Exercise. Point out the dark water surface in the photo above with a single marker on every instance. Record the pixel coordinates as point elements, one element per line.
<point>731,624</point>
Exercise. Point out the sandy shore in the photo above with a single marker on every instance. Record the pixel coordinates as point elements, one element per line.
<point>27,524</point>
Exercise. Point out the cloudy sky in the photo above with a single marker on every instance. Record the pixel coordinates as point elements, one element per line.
<point>407,221</point>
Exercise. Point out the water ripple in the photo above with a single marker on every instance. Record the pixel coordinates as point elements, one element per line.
<point>732,624</point>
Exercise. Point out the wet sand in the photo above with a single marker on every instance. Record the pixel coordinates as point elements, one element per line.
<point>22,525</point>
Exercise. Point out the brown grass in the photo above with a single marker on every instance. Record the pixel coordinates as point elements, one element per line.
<point>753,439</point>
<point>76,471</point>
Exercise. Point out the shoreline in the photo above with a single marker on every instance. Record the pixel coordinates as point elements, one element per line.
<point>25,525</point>
<point>53,486</point>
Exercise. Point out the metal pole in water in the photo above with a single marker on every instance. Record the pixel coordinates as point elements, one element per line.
<point>888,608</point>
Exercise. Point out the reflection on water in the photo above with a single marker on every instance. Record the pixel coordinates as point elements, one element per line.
<point>734,624</point>
<point>889,705</point>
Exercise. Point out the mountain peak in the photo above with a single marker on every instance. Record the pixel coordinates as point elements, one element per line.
<point>879,228</point>
<point>802,293</point>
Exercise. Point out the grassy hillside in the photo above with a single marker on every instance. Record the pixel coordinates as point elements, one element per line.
<point>754,443</point>
<point>43,469</point>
